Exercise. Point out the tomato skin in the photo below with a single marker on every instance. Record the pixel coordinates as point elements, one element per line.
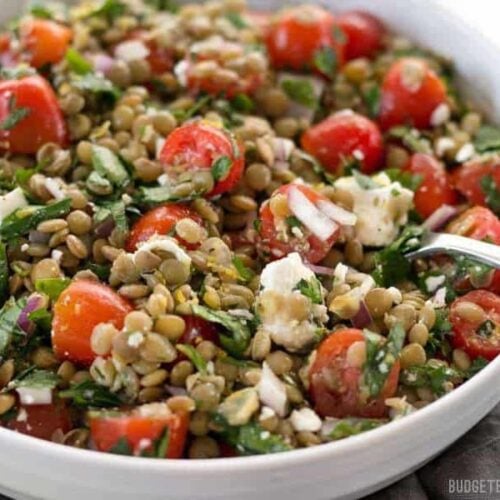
<point>273,247</point>
<point>79,308</point>
<point>364,34</point>
<point>160,59</point>
<point>404,104</point>
<point>197,329</point>
<point>44,123</point>
<point>464,332</point>
<point>338,137</point>
<point>42,421</point>
<point>8,58</point>
<point>478,223</point>
<point>295,35</point>
<point>435,189</point>
<point>334,385</point>
<point>196,145</point>
<point>160,220</point>
<point>45,41</point>
<point>467,180</point>
<point>106,431</point>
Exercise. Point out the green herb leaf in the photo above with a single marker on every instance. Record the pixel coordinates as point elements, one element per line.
<point>102,271</point>
<point>431,376</point>
<point>163,5</point>
<point>325,61</point>
<point>33,377</point>
<point>42,319</point>
<point>194,356</point>
<point>411,138</point>
<point>121,447</point>
<point>300,91</point>
<point>371,97</point>
<point>107,164</point>
<point>339,34</point>
<point>102,88</point>
<point>115,210</point>
<point>15,115</point>
<point>9,315</point>
<point>311,289</point>
<point>380,358</point>
<point>292,221</point>
<point>406,179</point>
<point>491,192</point>
<point>23,220</point>
<point>41,12</point>
<point>238,341</point>
<point>244,272</point>
<point>236,20</point>
<point>152,196</point>
<point>391,264</point>
<point>251,438</point>
<point>221,167</point>
<point>242,103</point>
<point>89,394</point>
<point>487,139</point>
<point>4,273</point>
<point>183,115</point>
<point>52,287</point>
<point>160,444</point>
<point>351,426</point>
<point>110,9</point>
<point>364,181</point>
<point>77,63</point>
<point>476,366</point>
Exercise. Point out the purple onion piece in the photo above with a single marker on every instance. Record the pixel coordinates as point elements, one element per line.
<point>102,63</point>
<point>34,302</point>
<point>325,271</point>
<point>104,229</point>
<point>362,319</point>
<point>440,217</point>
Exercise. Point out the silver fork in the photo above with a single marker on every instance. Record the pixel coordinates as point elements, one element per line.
<point>434,243</point>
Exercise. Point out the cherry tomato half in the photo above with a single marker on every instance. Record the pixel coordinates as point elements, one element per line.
<point>411,92</point>
<point>280,233</point>
<point>8,58</point>
<point>160,220</point>
<point>138,429</point>
<point>342,138</point>
<point>477,339</point>
<point>44,41</point>
<point>335,384</point>
<point>197,330</point>
<point>79,308</point>
<point>41,421</point>
<point>297,36</point>
<point>38,118</point>
<point>435,189</point>
<point>198,146</point>
<point>364,34</point>
<point>478,223</point>
<point>468,179</point>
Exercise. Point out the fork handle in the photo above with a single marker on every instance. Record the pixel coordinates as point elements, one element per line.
<point>452,244</point>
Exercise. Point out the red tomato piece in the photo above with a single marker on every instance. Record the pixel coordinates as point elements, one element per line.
<point>197,146</point>
<point>335,385</point>
<point>435,189</point>
<point>467,180</point>
<point>411,92</point>
<point>138,429</point>
<point>364,34</point>
<point>79,308</point>
<point>478,223</point>
<point>160,220</point>
<point>8,58</point>
<point>41,421</point>
<point>298,35</point>
<point>197,330</point>
<point>477,339</point>
<point>161,59</point>
<point>276,236</point>
<point>45,41</point>
<point>39,117</point>
<point>342,138</point>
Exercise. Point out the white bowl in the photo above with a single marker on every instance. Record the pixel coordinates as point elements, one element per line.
<point>31,468</point>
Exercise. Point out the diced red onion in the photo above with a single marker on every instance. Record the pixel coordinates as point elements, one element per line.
<point>33,303</point>
<point>102,63</point>
<point>282,148</point>
<point>440,217</point>
<point>362,319</point>
<point>322,270</point>
<point>104,229</point>
<point>38,237</point>
<point>336,213</point>
<point>176,391</point>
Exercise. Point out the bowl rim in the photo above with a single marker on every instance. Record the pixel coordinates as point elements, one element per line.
<point>70,455</point>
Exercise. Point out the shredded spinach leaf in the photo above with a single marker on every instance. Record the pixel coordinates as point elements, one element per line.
<point>325,60</point>
<point>220,167</point>
<point>89,394</point>
<point>300,91</point>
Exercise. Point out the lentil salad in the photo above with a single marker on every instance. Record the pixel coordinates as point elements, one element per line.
<point>204,216</point>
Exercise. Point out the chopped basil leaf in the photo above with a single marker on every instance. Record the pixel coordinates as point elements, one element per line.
<point>163,5</point>
<point>244,272</point>
<point>487,139</point>
<point>110,9</point>
<point>257,225</point>
<point>251,438</point>
<point>115,210</point>
<point>194,356</point>
<point>411,138</point>
<point>121,447</point>
<point>300,91</point>
<point>33,377</point>
<point>476,366</point>
<point>380,358</point>
<point>42,319</point>
<point>9,315</point>
<point>185,114</point>
<point>102,271</point>
<point>236,20</point>
<point>325,60</point>
<point>432,376</point>
<point>438,342</point>
<point>88,394</point>
<point>292,221</point>
<point>52,287</point>
<point>221,167</point>
<point>77,63</point>
<point>23,175</point>
<point>102,88</point>
<point>311,289</point>
<point>4,273</point>
<point>238,341</point>
<point>406,179</point>
<point>364,181</point>
<point>108,165</point>
<point>391,264</point>
<point>371,97</point>
<point>351,426</point>
<point>41,12</point>
<point>486,329</point>
<point>15,115</point>
<point>23,220</point>
<point>159,446</point>
<point>242,103</point>
<point>491,192</point>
